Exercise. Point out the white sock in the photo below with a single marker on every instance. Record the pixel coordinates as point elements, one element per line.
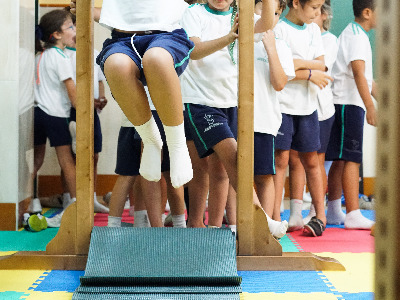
<point>355,220</point>
<point>311,214</point>
<point>141,219</point>
<point>163,217</point>
<point>99,208</point>
<point>179,221</point>
<point>114,221</point>
<point>181,170</point>
<point>296,219</point>
<point>277,229</point>
<point>233,228</point>
<point>335,214</point>
<point>131,210</point>
<point>66,198</point>
<point>150,164</point>
<point>68,202</point>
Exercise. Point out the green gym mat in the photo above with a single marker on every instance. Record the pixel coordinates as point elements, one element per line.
<point>26,240</point>
<point>160,263</point>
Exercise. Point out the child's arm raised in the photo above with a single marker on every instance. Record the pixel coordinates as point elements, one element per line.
<point>203,49</point>
<point>277,74</point>
<point>71,90</point>
<point>266,22</point>
<point>358,67</point>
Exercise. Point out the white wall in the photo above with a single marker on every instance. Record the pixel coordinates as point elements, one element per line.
<point>16,90</point>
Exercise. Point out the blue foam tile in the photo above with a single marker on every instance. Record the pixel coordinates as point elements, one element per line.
<point>282,282</point>
<point>357,296</point>
<point>370,214</point>
<point>63,281</point>
<point>11,295</point>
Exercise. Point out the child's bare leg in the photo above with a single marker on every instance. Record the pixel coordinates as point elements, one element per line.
<point>165,91</point>
<point>227,153</point>
<point>281,163</point>
<point>123,77</point>
<point>198,188</point>
<point>150,194</point>
<point>354,218</point>
<point>98,207</point>
<point>265,192</point>
<point>122,187</point>
<point>38,158</point>
<point>219,185</point>
<point>231,209</point>
<point>296,182</point>
<point>335,214</point>
<point>67,165</point>
<point>313,173</point>
<point>164,195</point>
<point>177,202</point>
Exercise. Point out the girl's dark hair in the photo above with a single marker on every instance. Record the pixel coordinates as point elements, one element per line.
<point>302,3</point>
<point>49,23</point>
<point>360,5</point>
<point>256,1</point>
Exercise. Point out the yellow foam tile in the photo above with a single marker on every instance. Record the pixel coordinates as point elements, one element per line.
<point>18,280</point>
<point>48,296</point>
<point>288,296</point>
<point>7,253</point>
<point>359,276</point>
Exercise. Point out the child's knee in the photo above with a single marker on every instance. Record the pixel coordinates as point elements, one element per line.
<point>156,57</point>
<point>120,64</point>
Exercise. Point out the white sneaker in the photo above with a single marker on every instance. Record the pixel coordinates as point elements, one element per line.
<point>72,131</point>
<point>35,206</point>
<point>55,221</point>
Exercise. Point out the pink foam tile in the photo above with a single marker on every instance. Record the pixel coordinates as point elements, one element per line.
<point>336,240</point>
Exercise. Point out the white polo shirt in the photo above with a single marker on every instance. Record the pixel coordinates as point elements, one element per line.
<point>267,111</point>
<point>354,45</point>
<point>326,108</point>
<point>298,98</point>
<point>53,67</point>
<point>142,15</point>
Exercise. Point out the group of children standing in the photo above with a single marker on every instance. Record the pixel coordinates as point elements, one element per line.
<point>174,53</point>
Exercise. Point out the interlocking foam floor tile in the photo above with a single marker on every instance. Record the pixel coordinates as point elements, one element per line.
<point>288,296</point>
<point>288,245</point>
<point>19,280</point>
<point>26,240</point>
<point>357,296</point>
<point>11,295</point>
<point>66,281</point>
<point>47,296</point>
<point>281,282</point>
<point>7,253</point>
<point>359,275</point>
<point>336,240</point>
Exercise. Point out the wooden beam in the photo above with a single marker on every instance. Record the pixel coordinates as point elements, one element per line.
<point>289,261</point>
<point>42,261</point>
<point>387,230</point>
<point>84,125</point>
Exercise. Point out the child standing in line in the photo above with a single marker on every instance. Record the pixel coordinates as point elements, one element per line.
<point>149,47</point>
<point>55,93</point>
<point>273,65</point>
<point>209,88</point>
<point>325,108</point>
<point>352,90</point>
<point>300,127</point>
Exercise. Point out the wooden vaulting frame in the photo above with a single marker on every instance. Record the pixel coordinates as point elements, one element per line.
<point>257,249</point>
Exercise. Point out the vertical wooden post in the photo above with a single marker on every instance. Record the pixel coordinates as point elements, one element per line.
<point>387,231</point>
<point>84,125</point>
<point>245,220</point>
